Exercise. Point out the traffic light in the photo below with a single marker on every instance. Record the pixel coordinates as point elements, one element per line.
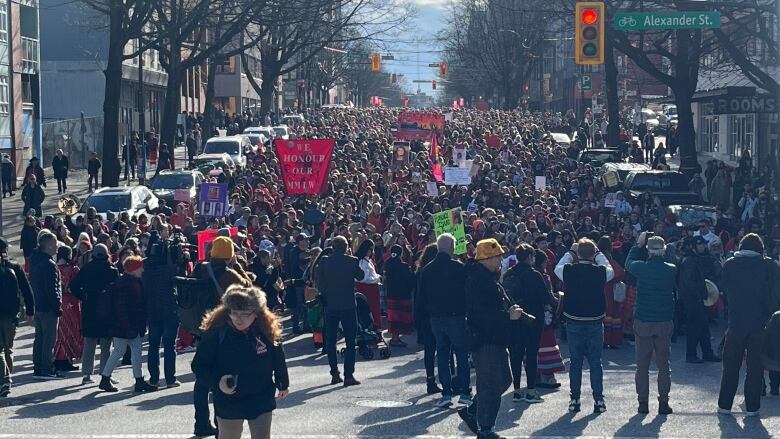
<point>442,69</point>
<point>433,84</point>
<point>376,62</point>
<point>393,79</point>
<point>589,22</point>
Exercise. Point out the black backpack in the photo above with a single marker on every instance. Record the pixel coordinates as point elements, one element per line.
<point>9,290</point>
<point>196,297</point>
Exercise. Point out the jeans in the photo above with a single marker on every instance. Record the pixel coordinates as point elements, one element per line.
<point>62,185</point>
<point>7,334</point>
<point>43,345</point>
<point>452,334</point>
<point>348,320</point>
<point>586,340</point>
<point>130,168</point>
<point>525,343</point>
<point>259,428</point>
<point>120,346</point>
<point>493,378</point>
<point>88,354</point>
<point>653,337</point>
<point>162,328</point>
<point>93,178</point>
<point>739,345</point>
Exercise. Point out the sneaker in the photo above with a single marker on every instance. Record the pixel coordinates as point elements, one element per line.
<point>518,397</point>
<point>336,379</point>
<point>87,379</point>
<point>48,377</point>
<point>465,400</point>
<point>751,414</point>
<point>469,419</point>
<point>599,407</point>
<point>548,385</point>
<point>664,408</point>
<point>444,402</point>
<point>574,406</point>
<point>172,384</point>
<point>722,411</point>
<point>533,398</point>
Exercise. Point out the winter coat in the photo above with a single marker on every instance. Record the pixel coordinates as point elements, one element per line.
<point>95,276</point>
<point>160,289</point>
<point>690,283</point>
<point>655,286</point>
<point>526,287</point>
<point>258,364</point>
<point>33,197</point>
<point>770,356</point>
<point>45,282</point>
<point>337,275</point>
<point>747,280</point>
<point>38,172</point>
<point>487,307</point>
<point>28,239</point>
<point>93,166</point>
<point>399,279</point>
<point>128,308</point>
<point>441,289</point>
<point>9,172</point>
<point>60,166</point>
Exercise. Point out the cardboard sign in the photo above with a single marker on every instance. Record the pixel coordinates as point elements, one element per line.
<point>433,188</point>
<point>459,157</point>
<point>451,221</point>
<point>213,200</point>
<point>304,164</point>
<point>400,154</point>
<point>610,200</point>
<point>456,176</point>
<point>205,239</point>
<point>610,179</point>
<point>541,182</point>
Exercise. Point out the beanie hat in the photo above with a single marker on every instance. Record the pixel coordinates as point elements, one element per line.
<point>222,248</point>
<point>133,263</point>
<point>100,252</point>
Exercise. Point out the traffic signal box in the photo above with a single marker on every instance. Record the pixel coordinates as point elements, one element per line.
<point>589,19</point>
<point>376,62</point>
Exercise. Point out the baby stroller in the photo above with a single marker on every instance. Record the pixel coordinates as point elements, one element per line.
<point>368,336</point>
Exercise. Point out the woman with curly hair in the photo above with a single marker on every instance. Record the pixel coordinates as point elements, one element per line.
<point>240,356</point>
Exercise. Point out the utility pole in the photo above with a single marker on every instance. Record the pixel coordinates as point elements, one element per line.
<point>141,115</point>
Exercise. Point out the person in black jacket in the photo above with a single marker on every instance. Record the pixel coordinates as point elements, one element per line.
<point>13,281</point>
<point>442,294</point>
<point>60,166</point>
<point>489,312</point>
<point>88,286</point>
<point>526,287</point>
<point>8,171</point>
<point>240,356</point>
<point>128,324</point>
<point>422,322</point>
<point>34,168</point>
<point>399,283</point>
<point>748,281</point>
<point>337,276</point>
<point>162,309</point>
<point>47,292</point>
<point>692,291</point>
<point>32,196</point>
<point>93,168</point>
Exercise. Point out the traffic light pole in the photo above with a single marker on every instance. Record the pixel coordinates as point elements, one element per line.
<point>582,93</point>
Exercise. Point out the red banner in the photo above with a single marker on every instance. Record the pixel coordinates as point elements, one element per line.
<point>416,125</point>
<point>205,239</point>
<point>304,164</point>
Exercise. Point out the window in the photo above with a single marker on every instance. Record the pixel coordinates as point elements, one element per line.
<point>4,94</point>
<point>29,55</point>
<point>3,22</point>
<point>709,132</point>
<point>741,134</point>
<point>227,66</point>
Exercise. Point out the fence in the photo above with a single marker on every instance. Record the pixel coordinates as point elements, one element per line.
<point>76,137</point>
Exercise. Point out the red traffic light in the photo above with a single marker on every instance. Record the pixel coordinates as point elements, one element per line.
<point>590,16</point>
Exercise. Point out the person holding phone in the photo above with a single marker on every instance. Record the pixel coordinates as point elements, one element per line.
<point>240,356</point>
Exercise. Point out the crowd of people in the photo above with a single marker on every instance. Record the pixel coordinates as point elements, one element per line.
<point>539,263</point>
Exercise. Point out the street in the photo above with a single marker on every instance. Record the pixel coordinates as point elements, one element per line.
<point>390,403</point>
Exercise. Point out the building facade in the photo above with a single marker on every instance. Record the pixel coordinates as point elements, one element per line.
<point>20,89</point>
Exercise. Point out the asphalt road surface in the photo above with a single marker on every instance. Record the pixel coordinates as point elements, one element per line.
<point>391,403</point>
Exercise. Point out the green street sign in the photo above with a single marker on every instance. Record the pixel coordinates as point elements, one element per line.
<point>587,84</point>
<point>634,21</point>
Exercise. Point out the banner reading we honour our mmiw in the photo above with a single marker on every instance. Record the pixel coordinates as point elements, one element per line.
<point>304,164</point>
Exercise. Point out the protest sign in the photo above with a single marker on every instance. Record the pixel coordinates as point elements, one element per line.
<point>456,176</point>
<point>433,188</point>
<point>304,164</point>
<point>610,200</point>
<point>213,200</point>
<point>206,237</point>
<point>459,157</point>
<point>417,125</point>
<point>541,182</point>
<point>451,221</point>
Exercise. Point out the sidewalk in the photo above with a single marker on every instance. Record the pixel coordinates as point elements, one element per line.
<point>77,185</point>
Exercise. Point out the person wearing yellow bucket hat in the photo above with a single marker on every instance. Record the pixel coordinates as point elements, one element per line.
<point>488,311</point>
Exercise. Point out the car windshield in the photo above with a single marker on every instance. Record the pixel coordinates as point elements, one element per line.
<point>107,203</point>
<point>280,131</point>
<point>659,182</point>
<point>219,147</point>
<point>602,157</point>
<point>176,181</point>
<point>254,138</point>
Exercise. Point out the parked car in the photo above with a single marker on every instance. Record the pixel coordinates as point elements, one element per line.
<point>258,141</point>
<point>268,132</point>
<point>282,132</point>
<point>237,147</point>
<point>562,139</point>
<point>598,157</point>
<point>689,215</point>
<point>291,119</point>
<point>165,184</point>
<point>205,163</point>
<point>623,169</point>
<point>134,200</point>
<point>671,187</point>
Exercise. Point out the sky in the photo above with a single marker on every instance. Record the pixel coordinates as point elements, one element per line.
<point>429,21</point>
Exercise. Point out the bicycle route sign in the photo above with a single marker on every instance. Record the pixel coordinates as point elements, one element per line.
<point>635,21</point>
